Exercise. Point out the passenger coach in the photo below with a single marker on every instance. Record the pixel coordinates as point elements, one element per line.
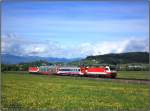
<point>69,71</point>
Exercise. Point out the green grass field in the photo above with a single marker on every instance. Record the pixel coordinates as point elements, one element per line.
<point>71,93</point>
<point>134,74</point>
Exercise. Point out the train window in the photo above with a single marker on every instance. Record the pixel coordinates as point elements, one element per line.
<point>106,69</point>
<point>69,69</point>
<point>64,69</point>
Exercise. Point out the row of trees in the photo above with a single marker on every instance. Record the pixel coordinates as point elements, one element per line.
<point>23,66</point>
<point>133,67</point>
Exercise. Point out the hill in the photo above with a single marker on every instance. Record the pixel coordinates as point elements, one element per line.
<point>121,58</point>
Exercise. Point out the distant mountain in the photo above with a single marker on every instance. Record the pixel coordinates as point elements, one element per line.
<point>121,58</point>
<point>13,59</point>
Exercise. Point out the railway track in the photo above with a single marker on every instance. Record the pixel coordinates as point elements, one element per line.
<point>122,80</point>
<point>132,80</point>
<point>128,80</point>
<point>125,80</point>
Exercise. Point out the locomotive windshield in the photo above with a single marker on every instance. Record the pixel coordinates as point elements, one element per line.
<point>112,68</point>
<point>106,69</point>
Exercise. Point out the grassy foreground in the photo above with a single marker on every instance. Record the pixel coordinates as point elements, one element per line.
<point>71,93</point>
<point>134,74</point>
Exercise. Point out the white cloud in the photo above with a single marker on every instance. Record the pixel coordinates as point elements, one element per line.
<point>19,46</point>
<point>127,45</point>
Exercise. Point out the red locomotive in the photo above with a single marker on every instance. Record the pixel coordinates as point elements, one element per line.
<point>104,71</point>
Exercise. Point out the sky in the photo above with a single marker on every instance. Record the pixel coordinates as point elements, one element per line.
<point>74,29</point>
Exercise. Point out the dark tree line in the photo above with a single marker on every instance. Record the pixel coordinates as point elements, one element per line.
<point>23,66</point>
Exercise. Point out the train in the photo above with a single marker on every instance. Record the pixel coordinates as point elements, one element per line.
<point>46,70</point>
<point>103,71</point>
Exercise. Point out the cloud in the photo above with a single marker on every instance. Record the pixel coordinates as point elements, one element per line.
<point>19,46</point>
<point>127,45</point>
<point>137,45</point>
<point>12,44</point>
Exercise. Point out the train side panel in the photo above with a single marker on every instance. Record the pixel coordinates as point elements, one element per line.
<point>33,70</point>
<point>96,71</point>
<point>101,72</point>
<point>69,71</point>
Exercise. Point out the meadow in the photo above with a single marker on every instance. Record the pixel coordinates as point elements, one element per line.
<point>23,90</point>
<point>134,74</point>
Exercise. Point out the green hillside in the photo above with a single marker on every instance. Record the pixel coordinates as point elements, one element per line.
<point>122,58</point>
